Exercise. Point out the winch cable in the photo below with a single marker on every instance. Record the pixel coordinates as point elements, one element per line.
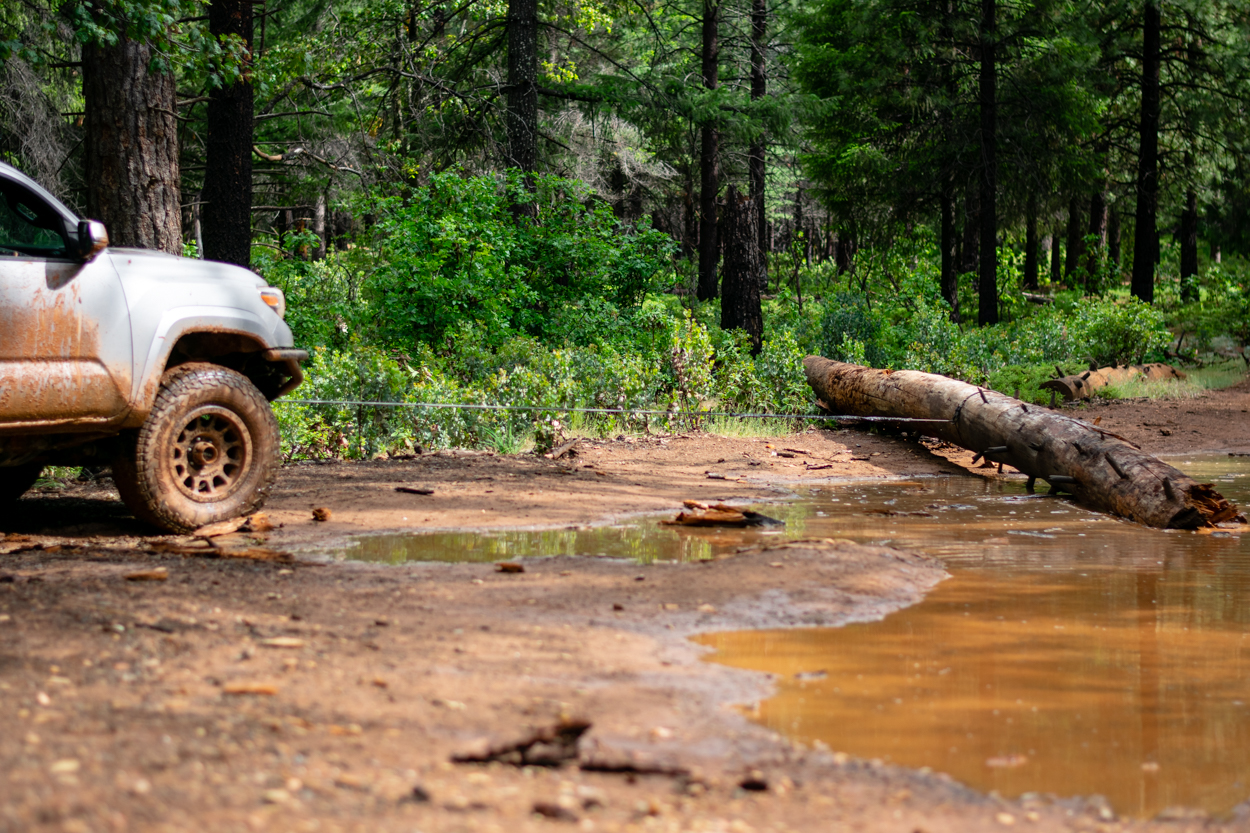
<point>355,403</point>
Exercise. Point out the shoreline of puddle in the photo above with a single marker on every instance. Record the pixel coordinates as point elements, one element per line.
<point>1012,770</point>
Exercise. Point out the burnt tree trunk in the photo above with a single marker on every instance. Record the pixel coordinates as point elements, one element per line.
<point>1189,248</point>
<point>522,116</point>
<point>987,286</point>
<point>130,160</point>
<point>1030,243</point>
<point>756,154</point>
<point>1099,469</point>
<point>1144,239</point>
<point>743,274</point>
<point>227,211</point>
<point>709,157</point>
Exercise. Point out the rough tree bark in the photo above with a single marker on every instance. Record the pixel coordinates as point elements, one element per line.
<point>130,160</point>
<point>1144,240</point>
<point>1072,246</point>
<point>522,121</point>
<point>1056,256</point>
<point>950,244</point>
<point>1097,230</point>
<point>1083,385</point>
<point>1113,240</point>
<point>1189,247</point>
<point>970,255</point>
<point>1030,242</point>
<point>742,277</point>
<point>227,213</point>
<point>987,287</point>
<point>709,157</point>
<point>1099,469</point>
<point>756,155</point>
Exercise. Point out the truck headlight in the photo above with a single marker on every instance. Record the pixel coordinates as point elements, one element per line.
<point>274,298</point>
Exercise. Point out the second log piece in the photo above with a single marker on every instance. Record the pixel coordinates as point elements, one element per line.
<point>1083,385</point>
<point>1099,469</point>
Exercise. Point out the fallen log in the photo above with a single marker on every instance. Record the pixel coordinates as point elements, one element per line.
<point>1099,469</point>
<point>1083,385</point>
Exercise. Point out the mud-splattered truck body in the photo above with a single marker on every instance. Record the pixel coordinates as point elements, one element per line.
<point>158,365</point>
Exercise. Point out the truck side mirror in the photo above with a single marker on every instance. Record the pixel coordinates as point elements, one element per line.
<point>92,238</point>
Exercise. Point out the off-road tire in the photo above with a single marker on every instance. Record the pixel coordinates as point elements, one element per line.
<point>209,451</point>
<point>15,481</point>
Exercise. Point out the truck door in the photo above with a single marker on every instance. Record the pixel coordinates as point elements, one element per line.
<point>65,344</point>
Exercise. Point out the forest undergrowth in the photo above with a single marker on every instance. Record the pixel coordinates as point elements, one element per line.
<point>450,300</point>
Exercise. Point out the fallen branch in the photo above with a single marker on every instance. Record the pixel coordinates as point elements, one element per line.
<point>1083,385</point>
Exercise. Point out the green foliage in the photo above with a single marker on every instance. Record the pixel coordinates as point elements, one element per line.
<point>452,253</point>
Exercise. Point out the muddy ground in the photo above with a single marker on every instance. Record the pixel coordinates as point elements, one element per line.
<point>155,683</point>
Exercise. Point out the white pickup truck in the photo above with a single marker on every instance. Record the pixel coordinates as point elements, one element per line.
<point>161,366</point>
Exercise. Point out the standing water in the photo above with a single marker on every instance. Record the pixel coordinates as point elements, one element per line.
<point>1070,653</point>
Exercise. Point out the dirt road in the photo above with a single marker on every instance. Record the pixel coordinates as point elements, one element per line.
<point>151,684</point>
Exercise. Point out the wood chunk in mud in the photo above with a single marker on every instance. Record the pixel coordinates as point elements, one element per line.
<point>718,514</point>
<point>260,554</point>
<point>243,687</point>
<point>258,523</point>
<point>412,490</point>
<point>549,746</point>
<point>158,574</point>
<point>509,567</point>
<point>553,811</point>
<point>321,514</point>
<point>219,528</point>
<point>559,451</point>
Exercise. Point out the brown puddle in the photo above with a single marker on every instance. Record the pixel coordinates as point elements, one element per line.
<point>1069,654</point>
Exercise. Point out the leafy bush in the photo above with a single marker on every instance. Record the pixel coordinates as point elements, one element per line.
<point>452,252</point>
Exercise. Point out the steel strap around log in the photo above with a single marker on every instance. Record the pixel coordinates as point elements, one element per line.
<point>1099,469</point>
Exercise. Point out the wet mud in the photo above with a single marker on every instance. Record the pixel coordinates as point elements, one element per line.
<point>153,685</point>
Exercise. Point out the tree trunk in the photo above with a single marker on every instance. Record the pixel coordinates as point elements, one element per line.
<point>1113,241</point>
<point>1144,242</point>
<point>1189,248</point>
<point>522,117</point>
<point>130,159</point>
<point>970,257</point>
<point>1098,231</point>
<point>1073,246</point>
<point>1099,469</point>
<point>227,214</point>
<point>1030,243</point>
<point>1056,257</point>
<point>743,274</point>
<point>709,157</point>
<point>950,240</point>
<point>756,154</point>
<point>987,289</point>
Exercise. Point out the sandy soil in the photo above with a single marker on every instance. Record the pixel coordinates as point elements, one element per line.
<point>230,692</point>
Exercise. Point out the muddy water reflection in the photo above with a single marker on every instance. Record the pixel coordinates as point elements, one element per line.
<point>1069,654</point>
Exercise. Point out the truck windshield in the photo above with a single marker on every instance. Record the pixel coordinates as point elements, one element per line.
<point>28,226</point>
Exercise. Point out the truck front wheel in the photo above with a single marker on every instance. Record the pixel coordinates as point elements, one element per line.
<point>208,452</point>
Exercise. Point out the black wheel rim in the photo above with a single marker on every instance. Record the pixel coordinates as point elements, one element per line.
<point>210,454</point>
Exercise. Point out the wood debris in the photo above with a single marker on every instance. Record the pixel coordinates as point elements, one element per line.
<point>719,514</point>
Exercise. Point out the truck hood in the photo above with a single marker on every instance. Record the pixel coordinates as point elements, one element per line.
<point>175,269</point>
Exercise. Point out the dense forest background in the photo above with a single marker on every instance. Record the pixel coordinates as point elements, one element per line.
<point>661,204</point>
